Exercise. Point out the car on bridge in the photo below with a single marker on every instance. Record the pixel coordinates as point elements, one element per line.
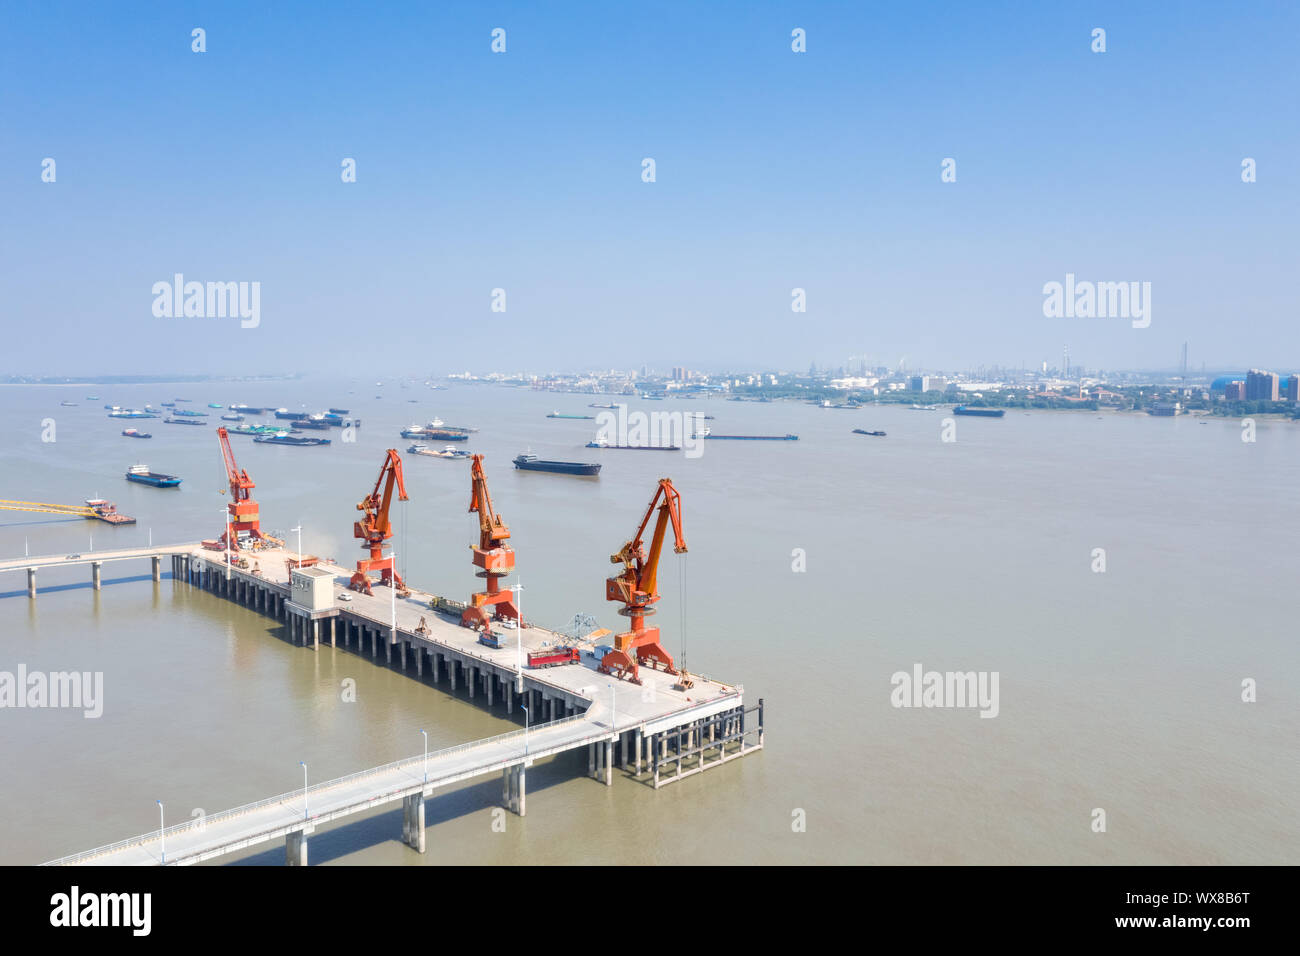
<point>72,557</point>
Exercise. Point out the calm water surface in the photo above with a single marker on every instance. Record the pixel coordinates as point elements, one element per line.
<point>1118,690</point>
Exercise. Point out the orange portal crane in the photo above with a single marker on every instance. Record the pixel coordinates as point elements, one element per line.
<point>375,528</point>
<point>635,587</point>
<point>493,556</point>
<point>242,507</point>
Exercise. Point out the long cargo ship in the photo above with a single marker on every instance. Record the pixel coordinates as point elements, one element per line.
<point>130,413</point>
<point>252,429</point>
<point>786,437</point>
<point>338,411</point>
<point>579,417</point>
<point>602,443</point>
<point>979,412</point>
<point>232,418</point>
<point>317,424</point>
<point>142,474</point>
<point>280,438</point>
<point>285,413</point>
<point>863,431</point>
<point>428,431</point>
<point>190,413</point>
<point>533,463</point>
<point>182,421</point>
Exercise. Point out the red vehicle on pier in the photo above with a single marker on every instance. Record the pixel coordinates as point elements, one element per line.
<point>553,657</point>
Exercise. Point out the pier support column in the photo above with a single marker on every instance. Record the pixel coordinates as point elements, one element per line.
<point>507,688</point>
<point>419,662</point>
<point>591,761</point>
<point>332,644</point>
<point>489,679</point>
<point>315,634</point>
<point>157,567</point>
<point>31,582</point>
<point>637,739</point>
<point>413,821</point>
<point>451,672</point>
<point>295,848</point>
<point>471,678</point>
<point>519,790</point>
<point>94,573</point>
<point>609,763</point>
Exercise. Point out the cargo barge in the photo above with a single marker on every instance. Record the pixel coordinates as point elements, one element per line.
<point>587,418</point>
<point>602,443</point>
<point>448,452</point>
<point>533,463</point>
<point>142,475</point>
<point>135,433</point>
<point>863,431</point>
<point>280,438</point>
<point>182,421</point>
<point>786,437</point>
<point>979,412</point>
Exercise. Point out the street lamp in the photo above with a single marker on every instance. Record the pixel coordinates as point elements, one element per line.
<point>227,514</point>
<point>518,590</point>
<point>304,789</point>
<point>426,756</point>
<point>525,710</point>
<point>392,589</point>
<point>161,839</point>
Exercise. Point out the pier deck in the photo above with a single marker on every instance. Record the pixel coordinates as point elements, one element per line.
<point>657,733</point>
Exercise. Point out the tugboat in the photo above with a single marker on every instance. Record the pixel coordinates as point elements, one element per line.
<point>142,474</point>
<point>135,433</point>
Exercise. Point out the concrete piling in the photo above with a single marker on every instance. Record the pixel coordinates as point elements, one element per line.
<point>94,574</point>
<point>295,848</point>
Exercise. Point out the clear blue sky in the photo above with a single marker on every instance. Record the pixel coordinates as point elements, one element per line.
<point>523,171</point>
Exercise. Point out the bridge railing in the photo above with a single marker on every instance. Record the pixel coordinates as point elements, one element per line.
<point>293,796</point>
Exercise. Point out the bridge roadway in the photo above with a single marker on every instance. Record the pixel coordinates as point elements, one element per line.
<point>703,725</point>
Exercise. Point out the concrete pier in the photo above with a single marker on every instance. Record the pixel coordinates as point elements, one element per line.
<point>94,574</point>
<point>31,582</point>
<point>671,733</point>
